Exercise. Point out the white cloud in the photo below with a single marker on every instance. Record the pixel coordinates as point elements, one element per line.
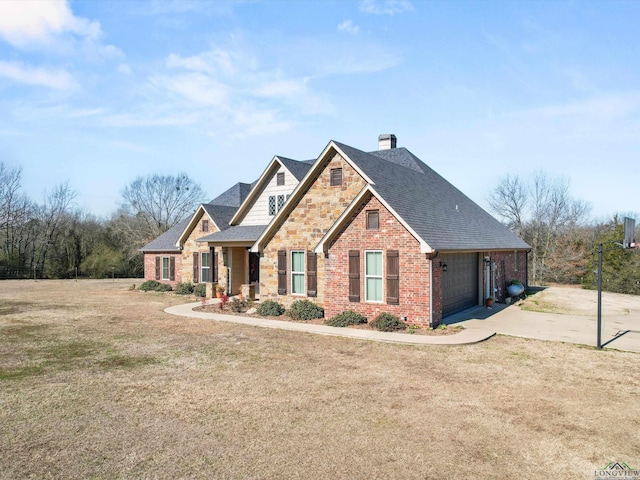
<point>348,27</point>
<point>53,79</point>
<point>125,69</point>
<point>282,88</point>
<point>23,24</point>
<point>386,7</point>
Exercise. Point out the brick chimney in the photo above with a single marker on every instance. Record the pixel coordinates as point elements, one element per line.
<point>386,141</point>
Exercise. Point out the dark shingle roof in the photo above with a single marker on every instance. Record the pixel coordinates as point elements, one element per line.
<point>234,196</point>
<point>220,214</point>
<point>438,212</point>
<point>237,233</point>
<point>298,169</point>
<point>166,242</point>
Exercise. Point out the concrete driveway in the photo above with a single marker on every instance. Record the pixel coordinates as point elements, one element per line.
<point>620,319</point>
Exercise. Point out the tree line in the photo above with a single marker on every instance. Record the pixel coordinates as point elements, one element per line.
<point>563,239</point>
<point>54,239</point>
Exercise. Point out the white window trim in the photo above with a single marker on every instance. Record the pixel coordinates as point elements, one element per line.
<point>203,268</point>
<point>298,272</point>
<point>381,276</point>
<point>168,277</point>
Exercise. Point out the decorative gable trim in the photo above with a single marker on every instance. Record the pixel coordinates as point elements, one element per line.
<point>269,173</point>
<point>323,245</point>
<point>301,189</point>
<point>195,220</point>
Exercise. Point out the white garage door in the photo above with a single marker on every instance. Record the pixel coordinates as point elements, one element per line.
<point>459,282</point>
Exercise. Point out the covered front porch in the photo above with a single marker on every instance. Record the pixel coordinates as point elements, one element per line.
<point>237,267</point>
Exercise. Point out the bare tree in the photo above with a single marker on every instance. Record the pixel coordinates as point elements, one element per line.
<point>161,201</point>
<point>543,213</point>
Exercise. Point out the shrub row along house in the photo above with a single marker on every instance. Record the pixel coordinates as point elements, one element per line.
<point>352,230</point>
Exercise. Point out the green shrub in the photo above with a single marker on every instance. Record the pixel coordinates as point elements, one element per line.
<point>155,286</point>
<point>237,305</point>
<point>270,308</point>
<point>386,322</point>
<point>305,310</point>
<point>345,319</point>
<point>200,290</point>
<point>184,288</point>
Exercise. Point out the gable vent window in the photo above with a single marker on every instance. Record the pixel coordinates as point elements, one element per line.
<point>280,179</point>
<point>336,177</point>
<point>373,217</point>
<point>280,202</point>
<point>272,204</point>
<point>205,225</point>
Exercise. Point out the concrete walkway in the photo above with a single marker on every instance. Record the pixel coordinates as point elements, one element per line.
<point>619,332</point>
<point>466,336</point>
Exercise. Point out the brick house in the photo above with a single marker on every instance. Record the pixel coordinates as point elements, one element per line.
<point>381,231</point>
<point>176,256</point>
<point>352,230</point>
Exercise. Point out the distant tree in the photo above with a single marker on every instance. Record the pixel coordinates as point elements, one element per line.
<point>544,214</point>
<point>161,201</point>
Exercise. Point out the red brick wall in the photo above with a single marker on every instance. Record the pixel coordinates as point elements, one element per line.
<point>150,267</point>
<point>391,235</point>
<point>508,268</point>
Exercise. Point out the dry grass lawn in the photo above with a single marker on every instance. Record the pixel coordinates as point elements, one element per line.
<point>96,381</point>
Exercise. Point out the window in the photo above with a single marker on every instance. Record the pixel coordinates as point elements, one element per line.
<point>372,219</point>
<point>373,276</point>
<point>205,225</point>
<point>205,267</point>
<point>297,272</point>
<point>336,177</point>
<point>280,202</point>
<point>280,179</point>
<point>165,268</point>
<point>272,204</point>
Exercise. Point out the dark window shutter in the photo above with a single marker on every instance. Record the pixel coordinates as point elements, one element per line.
<point>214,259</point>
<point>195,267</point>
<point>312,277</point>
<point>172,268</point>
<point>282,272</point>
<point>158,260</point>
<point>335,177</point>
<point>354,275</point>
<point>393,277</point>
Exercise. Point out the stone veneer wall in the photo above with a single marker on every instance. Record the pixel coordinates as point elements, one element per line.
<point>391,235</point>
<point>310,219</point>
<point>190,246</point>
<point>508,268</point>
<point>150,267</point>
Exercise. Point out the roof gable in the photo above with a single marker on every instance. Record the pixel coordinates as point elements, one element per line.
<point>296,170</point>
<point>439,215</point>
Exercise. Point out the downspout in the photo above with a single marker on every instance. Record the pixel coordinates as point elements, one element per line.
<point>431,292</point>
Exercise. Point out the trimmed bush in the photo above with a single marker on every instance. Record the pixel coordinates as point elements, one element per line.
<point>200,290</point>
<point>184,288</point>
<point>237,305</point>
<point>345,319</point>
<point>270,308</point>
<point>386,322</point>
<point>305,310</point>
<point>155,286</point>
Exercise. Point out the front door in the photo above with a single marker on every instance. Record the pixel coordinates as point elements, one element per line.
<point>254,270</point>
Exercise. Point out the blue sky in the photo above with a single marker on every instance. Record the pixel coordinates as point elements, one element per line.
<point>98,93</point>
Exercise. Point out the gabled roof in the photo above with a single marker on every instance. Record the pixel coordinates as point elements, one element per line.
<point>218,214</point>
<point>440,216</point>
<point>297,168</point>
<point>167,241</point>
<point>237,233</point>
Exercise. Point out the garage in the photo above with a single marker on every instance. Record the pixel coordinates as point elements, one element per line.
<point>459,282</point>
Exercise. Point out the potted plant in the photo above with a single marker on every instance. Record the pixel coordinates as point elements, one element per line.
<point>219,290</point>
<point>489,301</point>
